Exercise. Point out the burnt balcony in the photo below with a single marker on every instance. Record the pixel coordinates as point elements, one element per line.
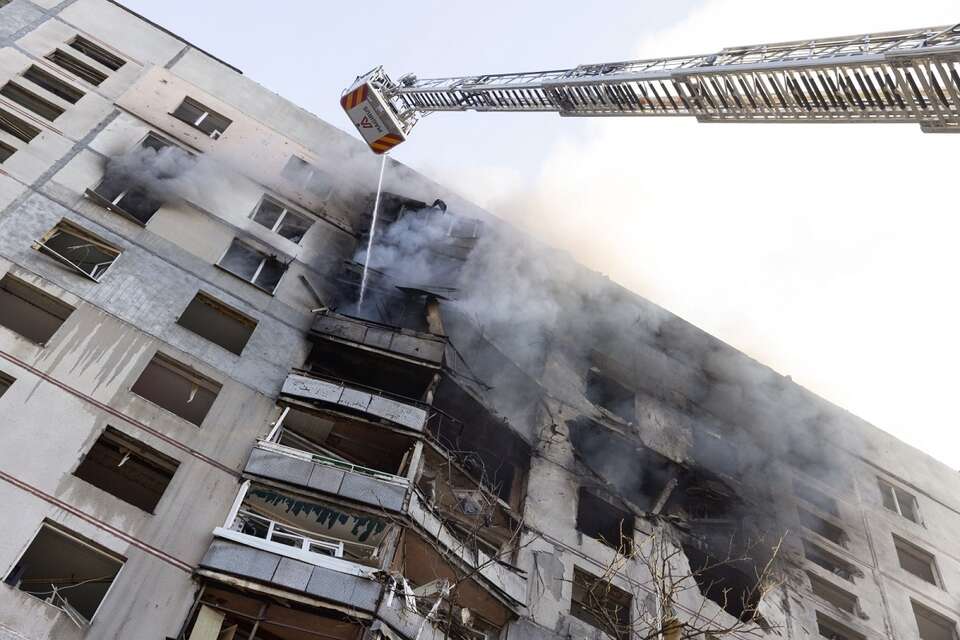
<point>367,334</point>
<point>339,455</point>
<point>355,397</point>
<point>294,543</point>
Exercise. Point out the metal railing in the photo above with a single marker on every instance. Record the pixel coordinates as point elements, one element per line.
<point>252,524</point>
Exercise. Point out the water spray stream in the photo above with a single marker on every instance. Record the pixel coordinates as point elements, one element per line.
<point>373,228</point>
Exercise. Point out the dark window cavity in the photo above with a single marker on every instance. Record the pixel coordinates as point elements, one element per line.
<point>17,127</point>
<point>252,265</point>
<point>5,383</point>
<point>611,395</point>
<point>66,571</point>
<point>78,250</point>
<point>6,151</point>
<point>29,100</point>
<point>833,630</point>
<point>282,220</point>
<point>77,67</point>
<point>915,560</point>
<point>177,388</point>
<point>53,84</point>
<point>218,323</point>
<point>33,314</point>
<point>133,194</point>
<point>822,527</point>
<point>127,469</point>
<point>840,598</point>
<point>601,604</point>
<point>815,497</point>
<point>826,560</point>
<point>201,117</point>
<point>599,519</point>
<point>98,53</point>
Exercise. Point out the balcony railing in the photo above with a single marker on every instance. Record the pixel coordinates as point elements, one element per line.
<point>272,444</point>
<point>251,524</point>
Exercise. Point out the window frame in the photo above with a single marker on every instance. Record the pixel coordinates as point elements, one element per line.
<point>51,305</point>
<point>893,491</point>
<point>264,257</point>
<point>64,90</point>
<point>920,608</point>
<point>902,545</point>
<point>286,210</point>
<point>616,633</point>
<point>16,127</point>
<point>206,112</point>
<point>103,56</point>
<point>825,585</point>
<point>813,549</point>
<point>24,98</point>
<point>202,297</point>
<point>184,371</point>
<point>77,67</point>
<point>67,227</point>
<point>834,625</point>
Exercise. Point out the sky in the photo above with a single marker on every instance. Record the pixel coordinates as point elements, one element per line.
<point>828,252</point>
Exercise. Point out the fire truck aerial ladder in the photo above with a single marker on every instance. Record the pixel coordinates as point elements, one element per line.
<point>902,76</point>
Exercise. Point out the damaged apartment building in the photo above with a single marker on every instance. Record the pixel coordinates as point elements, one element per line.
<point>208,436</point>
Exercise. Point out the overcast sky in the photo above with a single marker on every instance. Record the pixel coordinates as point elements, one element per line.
<point>828,252</point>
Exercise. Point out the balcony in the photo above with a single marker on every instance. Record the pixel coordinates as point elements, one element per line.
<point>406,343</point>
<point>329,475</point>
<point>296,544</point>
<point>353,397</point>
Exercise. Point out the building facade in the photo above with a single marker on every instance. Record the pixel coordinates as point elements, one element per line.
<point>206,436</point>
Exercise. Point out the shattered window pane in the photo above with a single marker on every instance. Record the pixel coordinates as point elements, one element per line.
<point>78,249</point>
<point>201,117</point>
<point>293,227</point>
<point>270,275</point>
<point>268,213</point>
<point>253,266</point>
<point>280,219</point>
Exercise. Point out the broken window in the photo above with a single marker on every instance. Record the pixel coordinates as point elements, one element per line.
<point>826,560</point>
<point>96,52</point>
<point>201,117</point>
<point>76,67</point>
<point>16,127</point>
<point>127,469</point>
<point>611,395</point>
<point>833,594</point>
<point>933,626</point>
<point>282,220</point>
<point>601,604</point>
<point>833,630</point>
<point>27,310</point>
<point>177,388</point>
<point>715,452</point>
<point>53,84</point>
<point>915,560</point>
<point>815,497</point>
<point>29,100</point>
<point>725,580</point>
<point>822,527</point>
<point>5,382</point>
<point>307,177</point>
<point>252,265</point>
<point>899,501</point>
<point>66,571</point>
<point>599,519</point>
<point>79,250</point>
<point>211,319</point>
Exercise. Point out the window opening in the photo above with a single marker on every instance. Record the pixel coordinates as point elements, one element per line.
<point>17,127</point>
<point>211,319</point>
<point>899,501</point>
<point>308,177</point>
<point>933,626</point>
<point>280,219</point>
<point>177,388</point>
<point>611,395</point>
<point>127,469</point>
<point>127,195</point>
<point>27,310</point>
<point>76,67</point>
<point>78,249</point>
<point>826,560</point>
<point>5,383</point>
<point>822,527</point>
<point>201,117</point>
<point>96,52</point>
<point>833,630</point>
<point>601,604</point>
<point>833,594</point>
<point>29,100</point>
<point>53,84</point>
<point>915,560</point>
<point>252,265</point>
<point>815,497</point>
<point>6,151</point>
<point>66,571</point>
<point>599,519</point>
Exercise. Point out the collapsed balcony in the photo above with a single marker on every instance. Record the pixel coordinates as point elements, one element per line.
<point>221,611</point>
<point>337,454</point>
<point>379,337</point>
<point>285,540</point>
